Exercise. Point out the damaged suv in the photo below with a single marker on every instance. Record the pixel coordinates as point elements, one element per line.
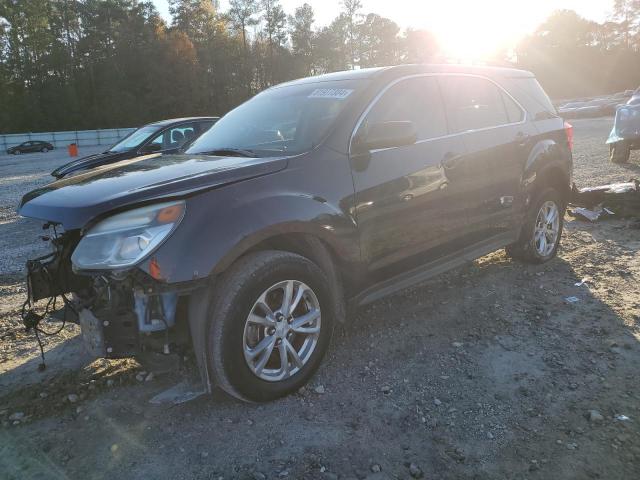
<point>312,198</point>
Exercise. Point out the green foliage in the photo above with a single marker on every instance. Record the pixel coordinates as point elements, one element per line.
<point>302,40</point>
<point>574,57</point>
<point>82,64</point>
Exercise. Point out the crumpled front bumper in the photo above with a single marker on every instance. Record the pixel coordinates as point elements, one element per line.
<point>120,313</point>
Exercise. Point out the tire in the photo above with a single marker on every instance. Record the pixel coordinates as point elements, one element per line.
<point>17,152</point>
<point>233,340</point>
<point>619,152</point>
<point>528,247</point>
<point>44,150</point>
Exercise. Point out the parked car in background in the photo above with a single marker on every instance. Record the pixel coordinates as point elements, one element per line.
<point>578,109</point>
<point>30,146</point>
<point>166,136</point>
<point>595,107</point>
<point>625,134</point>
<point>314,196</point>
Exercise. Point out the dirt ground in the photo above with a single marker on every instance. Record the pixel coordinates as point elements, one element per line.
<point>488,372</point>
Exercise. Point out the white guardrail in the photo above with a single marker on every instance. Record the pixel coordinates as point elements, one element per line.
<point>82,138</point>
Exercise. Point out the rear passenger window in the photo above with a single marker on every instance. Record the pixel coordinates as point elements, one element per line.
<point>415,99</point>
<point>473,103</point>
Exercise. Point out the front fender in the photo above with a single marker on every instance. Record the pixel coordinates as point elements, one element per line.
<point>221,225</point>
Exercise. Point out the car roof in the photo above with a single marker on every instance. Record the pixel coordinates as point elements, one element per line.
<point>403,70</point>
<point>171,121</point>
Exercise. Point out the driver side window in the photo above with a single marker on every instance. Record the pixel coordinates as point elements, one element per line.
<point>416,100</point>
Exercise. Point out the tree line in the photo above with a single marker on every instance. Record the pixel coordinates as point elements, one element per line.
<point>84,64</point>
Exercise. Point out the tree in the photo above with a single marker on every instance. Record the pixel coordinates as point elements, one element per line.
<point>275,22</point>
<point>331,53</point>
<point>351,9</point>
<point>378,41</point>
<point>627,14</point>
<point>75,64</point>
<point>574,57</point>
<point>196,18</point>
<point>242,15</point>
<point>302,39</point>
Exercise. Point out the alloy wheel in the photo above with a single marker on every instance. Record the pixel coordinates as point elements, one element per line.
<point>282,330</point>
<point>547,228</point>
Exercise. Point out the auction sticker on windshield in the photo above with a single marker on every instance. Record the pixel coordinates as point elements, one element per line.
<point>338,93</point>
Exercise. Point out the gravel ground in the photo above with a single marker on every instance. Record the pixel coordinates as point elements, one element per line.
<point>18,175</point>
<point>488,372</point>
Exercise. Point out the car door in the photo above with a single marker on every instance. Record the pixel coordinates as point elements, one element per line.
<point>409,208</point>
<point>497,138</point>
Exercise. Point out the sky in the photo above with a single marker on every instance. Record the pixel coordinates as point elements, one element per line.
<point>464,27</point>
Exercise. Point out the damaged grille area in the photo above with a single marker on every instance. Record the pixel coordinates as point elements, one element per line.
<point>120,313</point>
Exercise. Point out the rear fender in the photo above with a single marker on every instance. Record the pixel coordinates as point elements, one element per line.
<point>548,161</point>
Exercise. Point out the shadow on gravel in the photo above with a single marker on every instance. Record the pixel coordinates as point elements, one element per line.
<point>64,357</point>
<point>486,372</point>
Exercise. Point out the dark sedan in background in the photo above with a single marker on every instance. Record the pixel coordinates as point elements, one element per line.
<point>30,146</point>
<point>165,136</point>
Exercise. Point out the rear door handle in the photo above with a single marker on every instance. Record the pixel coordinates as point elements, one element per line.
<point>450,161</point>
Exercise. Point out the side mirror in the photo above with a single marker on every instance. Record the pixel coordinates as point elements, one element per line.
<point>151,148</point>
<point>386,135</point>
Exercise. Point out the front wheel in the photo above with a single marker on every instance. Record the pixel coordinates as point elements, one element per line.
<point>17,152</point>
<point>270,325</point>
<point>619,152</point>
<point>540,236</point>
<point>44,150</point>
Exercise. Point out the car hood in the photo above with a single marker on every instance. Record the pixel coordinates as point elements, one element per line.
<point>76,200</point>
<point>88,162</point>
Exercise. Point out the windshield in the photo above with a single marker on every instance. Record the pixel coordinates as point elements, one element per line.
<point>134,139</point>
<point>286,120</point>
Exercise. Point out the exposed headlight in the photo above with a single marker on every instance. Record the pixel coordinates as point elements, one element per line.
<point>127,238</point>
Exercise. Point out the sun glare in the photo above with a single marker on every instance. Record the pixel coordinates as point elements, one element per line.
<point>471,31</point>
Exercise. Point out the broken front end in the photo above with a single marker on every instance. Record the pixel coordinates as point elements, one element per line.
<point>122,310</point>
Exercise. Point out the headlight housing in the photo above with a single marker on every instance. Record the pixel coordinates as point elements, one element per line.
<point>124,239</point>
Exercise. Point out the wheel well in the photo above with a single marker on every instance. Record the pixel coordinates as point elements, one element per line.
<point>320,253</point>
<point>554,177</point>
<point>300,243</point>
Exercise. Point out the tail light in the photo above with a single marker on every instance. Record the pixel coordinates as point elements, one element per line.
<point>568,129</point>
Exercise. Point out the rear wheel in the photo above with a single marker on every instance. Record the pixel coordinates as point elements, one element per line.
<point>619,152</point>
<point>540,236</point>
<point>270,325</point>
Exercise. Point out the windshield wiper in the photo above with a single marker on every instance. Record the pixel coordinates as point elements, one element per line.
<point>232,152</point>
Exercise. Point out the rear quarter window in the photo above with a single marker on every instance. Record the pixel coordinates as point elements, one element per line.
<point>514,112</point>
<point>532,96</point>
